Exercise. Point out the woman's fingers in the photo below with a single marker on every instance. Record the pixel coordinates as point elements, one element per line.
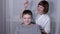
<point>25,4</point>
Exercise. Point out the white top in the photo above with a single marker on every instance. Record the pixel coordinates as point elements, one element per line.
<point>44,22</point>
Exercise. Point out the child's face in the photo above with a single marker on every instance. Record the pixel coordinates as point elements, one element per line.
<point>27,19</point>
<point>40,9</point>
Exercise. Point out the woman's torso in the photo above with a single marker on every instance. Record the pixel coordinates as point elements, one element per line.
<point>42,20</point>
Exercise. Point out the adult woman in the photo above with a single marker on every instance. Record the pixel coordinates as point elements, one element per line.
<point>43,19</point>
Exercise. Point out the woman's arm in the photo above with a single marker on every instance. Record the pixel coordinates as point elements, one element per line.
<point>47,26</point>
<point>24,7</point>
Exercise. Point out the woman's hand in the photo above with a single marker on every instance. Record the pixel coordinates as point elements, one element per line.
<point>43,32</point>
<point>25,7</point>
<point>25,4</point>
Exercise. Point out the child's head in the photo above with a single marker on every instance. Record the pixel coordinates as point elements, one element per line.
<point>43,7</point>
<point>27,16</point>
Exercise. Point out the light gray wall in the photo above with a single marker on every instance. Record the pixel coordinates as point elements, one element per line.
<point>53,15</point>
<point>12,18</point>
<point>2,17</point>
<point>1,24</point>
<point>58,17</point>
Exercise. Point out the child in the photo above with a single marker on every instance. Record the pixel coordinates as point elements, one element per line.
<point>27,27</point>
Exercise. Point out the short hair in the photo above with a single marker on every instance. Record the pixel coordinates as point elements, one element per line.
<point>27,12</point>
<point>45,4</point>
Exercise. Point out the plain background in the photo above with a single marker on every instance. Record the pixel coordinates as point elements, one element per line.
<point>9,16</point>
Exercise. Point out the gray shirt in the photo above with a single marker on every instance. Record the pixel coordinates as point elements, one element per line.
<point>30,29</point>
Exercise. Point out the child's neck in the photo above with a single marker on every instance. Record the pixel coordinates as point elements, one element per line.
<point>27,24</point>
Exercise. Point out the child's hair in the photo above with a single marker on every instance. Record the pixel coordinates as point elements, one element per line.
<point>45,4</point>
<point>27,12</point>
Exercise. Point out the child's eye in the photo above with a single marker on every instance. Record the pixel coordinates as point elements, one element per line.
<point>29,18</point>
<point>24,18</point>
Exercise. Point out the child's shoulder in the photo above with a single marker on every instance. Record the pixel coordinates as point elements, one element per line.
<point>36,25</point>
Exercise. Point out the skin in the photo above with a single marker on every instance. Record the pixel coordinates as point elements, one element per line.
<point>40,9</point>
<point>27,19</point>
<point>25,4</point>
